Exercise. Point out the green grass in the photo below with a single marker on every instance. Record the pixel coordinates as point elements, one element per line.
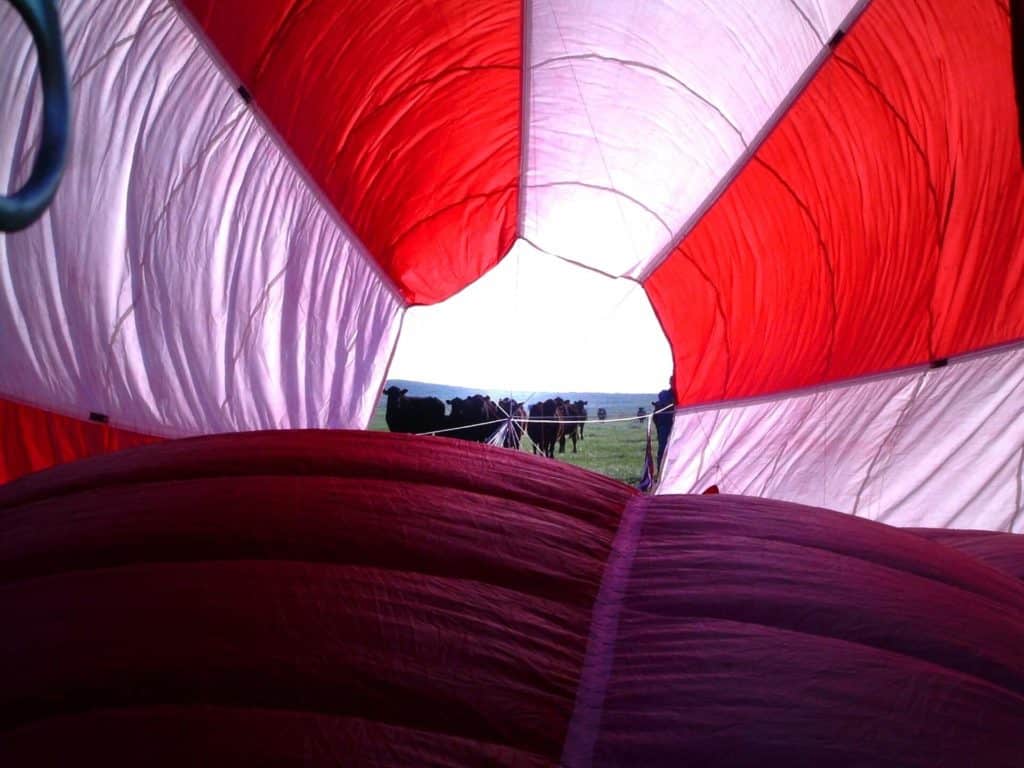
<point>615,449</point>
<point>377,423</point>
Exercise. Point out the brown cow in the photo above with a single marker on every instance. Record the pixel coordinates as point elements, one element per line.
<point>545,425</point>
<point>577,412</point>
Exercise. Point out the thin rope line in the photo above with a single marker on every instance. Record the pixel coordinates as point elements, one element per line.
<point>529,420</point>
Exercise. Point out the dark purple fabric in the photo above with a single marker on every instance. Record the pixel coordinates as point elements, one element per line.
<point>751,633</point>
<point>1001,550</point>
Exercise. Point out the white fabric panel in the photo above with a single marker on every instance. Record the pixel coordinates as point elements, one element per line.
<point>636,111</point>
<point>935,448</point>
<point>186,279</point>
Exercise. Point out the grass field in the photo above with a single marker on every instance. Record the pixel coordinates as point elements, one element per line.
<point>612,448</point>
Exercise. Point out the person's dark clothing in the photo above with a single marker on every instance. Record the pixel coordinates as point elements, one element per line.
<point>663,420</point>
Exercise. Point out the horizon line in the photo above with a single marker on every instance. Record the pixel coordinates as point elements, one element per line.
<point>513,390</point>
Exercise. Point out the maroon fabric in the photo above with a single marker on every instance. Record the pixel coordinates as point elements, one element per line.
<point>998,549</point>
<point>319,598</point>
<point>392,598</point>
<point>451,464</point>
<point>177,737</point>
<point>751,632</point>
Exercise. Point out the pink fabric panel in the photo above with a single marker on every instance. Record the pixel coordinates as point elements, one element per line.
<point>934,447</point>
<point>637,111</point>
<point>186,279</point>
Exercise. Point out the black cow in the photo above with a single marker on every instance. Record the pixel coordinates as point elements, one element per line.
<point>414,415</point>
<point>602,414</point>
<point>545,425</point>
<point>514,433</point>
<point>641,411</point>
<point>468,416</point>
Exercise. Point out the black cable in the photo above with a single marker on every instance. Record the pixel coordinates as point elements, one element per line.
<point>19,210</point>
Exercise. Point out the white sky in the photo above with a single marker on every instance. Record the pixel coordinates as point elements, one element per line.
<point>536,322</point>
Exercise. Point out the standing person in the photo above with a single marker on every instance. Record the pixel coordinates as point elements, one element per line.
<point>664,410</point>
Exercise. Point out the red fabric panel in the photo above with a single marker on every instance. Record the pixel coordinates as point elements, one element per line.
<point>756,632</point>
<point>32,439</point>
<point>880,225</point>
<point>403,597</point>
<point>406,114</point>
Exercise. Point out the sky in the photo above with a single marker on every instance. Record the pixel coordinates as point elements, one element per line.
<point>537,322</point>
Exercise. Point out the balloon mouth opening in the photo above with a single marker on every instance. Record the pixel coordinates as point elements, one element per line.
<point>537,322</point>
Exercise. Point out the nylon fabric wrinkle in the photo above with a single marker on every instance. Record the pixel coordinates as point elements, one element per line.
<point>722,316</point>
<point>449,74</point>
<point>779,453</point>
<point>935,378</point>
<point>862,553</point>
<point>941,223</point>
<point>202,157</point>
<point>281,29</point>
<point>602,188</point>
<point>727,540</point>
<point>510,187</point>
<point>647,68</point>
<point>826,258</point>
<point>810,25</point>
<point>890,440</point>
<point>982,489</point>
<point>736,168</point>
<point>889,653</point>
<point>696,660</point>
<point>424,625</point>
<point>593,132</point>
